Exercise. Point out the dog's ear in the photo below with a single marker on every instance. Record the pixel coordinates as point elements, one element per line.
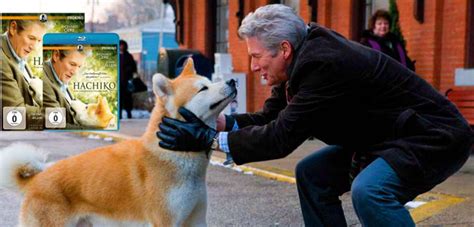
<point>103,105</point>
<point>100,105</point>
<point>188,68</point>
<point>104,101</point>
<point>161,85</point>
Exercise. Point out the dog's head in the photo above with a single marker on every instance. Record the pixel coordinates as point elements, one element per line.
<point>196,93</point>
<point>96,115</point>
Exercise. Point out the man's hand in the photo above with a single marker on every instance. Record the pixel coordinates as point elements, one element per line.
<point>225,122</point>
<point>192,135</point>
<point>221,123</point>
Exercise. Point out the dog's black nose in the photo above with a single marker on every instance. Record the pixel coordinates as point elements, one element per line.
<point>231,82</point>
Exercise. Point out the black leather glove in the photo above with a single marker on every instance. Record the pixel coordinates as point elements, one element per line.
<point>192,135</point>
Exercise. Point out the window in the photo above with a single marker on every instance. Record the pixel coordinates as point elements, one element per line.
<point>294,4</point>
<point>363,10</point>
<point>313,5</point>
<point>371,6</point>
<point>222,26</point>
<point>470,35</point>
<point>358,19</point>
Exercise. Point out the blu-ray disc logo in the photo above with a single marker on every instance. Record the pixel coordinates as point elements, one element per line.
<point>43,17</point>
<point>80,47</point>
<point>81,38</point>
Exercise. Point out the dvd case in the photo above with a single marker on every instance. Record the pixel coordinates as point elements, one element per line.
<point>21,64</point>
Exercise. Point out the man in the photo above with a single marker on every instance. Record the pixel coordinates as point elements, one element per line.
<point>58,71</point>
<point>17,80</point>
<point>358,101</point>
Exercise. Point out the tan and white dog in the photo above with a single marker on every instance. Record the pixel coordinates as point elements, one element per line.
<point>94,115</point>
<point>134,181</point>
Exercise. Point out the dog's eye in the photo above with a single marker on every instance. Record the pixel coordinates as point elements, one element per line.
<point>203,89</point>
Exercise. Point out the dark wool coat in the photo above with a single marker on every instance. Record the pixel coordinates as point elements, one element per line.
<point>347,94</point>
<point>128,66</point>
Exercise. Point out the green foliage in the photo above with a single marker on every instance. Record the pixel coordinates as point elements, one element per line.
<point>395,25</point>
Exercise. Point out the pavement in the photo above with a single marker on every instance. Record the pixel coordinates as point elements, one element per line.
<point>449,204</point>
<point>257,194</point>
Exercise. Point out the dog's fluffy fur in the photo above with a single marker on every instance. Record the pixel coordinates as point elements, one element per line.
<point>95,115</point>
<point>134,181</point>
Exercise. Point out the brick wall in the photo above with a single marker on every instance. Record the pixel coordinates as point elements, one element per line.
<point>324,12</point>
<point>256,92</point>
<point>305,11</point>
<point>198,28</point>
<point>453,50</point>
<point>438,44</point>
<point>422,39</point>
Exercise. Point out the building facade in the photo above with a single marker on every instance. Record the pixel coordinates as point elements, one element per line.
<point>439,33</point>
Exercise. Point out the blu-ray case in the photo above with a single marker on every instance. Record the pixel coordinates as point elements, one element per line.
<point>81,81</point>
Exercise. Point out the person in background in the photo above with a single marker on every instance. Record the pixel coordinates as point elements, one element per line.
<point>20,88</point>
<point>379,37</point>
<point>351,97</point>
<point>128,67</point>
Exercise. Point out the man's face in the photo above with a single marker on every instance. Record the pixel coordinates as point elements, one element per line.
<point>67,67</point>
<point>382,27</point>
<point>271,67</point>
<point>24,42</point>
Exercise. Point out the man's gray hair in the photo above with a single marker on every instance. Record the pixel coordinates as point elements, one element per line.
<point>272,24</point>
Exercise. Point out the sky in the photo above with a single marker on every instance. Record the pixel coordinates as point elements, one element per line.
<point>59,6</point>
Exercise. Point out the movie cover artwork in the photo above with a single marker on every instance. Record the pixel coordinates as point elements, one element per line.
<point>81,87</point>
<point>21,64</point>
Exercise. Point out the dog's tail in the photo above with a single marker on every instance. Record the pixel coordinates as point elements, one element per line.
<point>19,163</point>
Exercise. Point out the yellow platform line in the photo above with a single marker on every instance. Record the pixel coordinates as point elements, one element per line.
<point>435,206</point>
<point>260,172</point>
<point>271,172</point>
